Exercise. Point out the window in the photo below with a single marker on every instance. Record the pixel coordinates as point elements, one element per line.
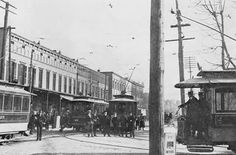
<point>65,84</point>
<point>86,89</point>
<point>40,78</point>
<point>59,83</point>
<point>17,104</point>
<point>34,76</point>
<point>54,81</point>
<point>78,88</point>
<point>25,106</point>
<point>74,86</point>
<point>82,89</point>
<point>22,74</point>
<point>47,79</point>
<point>70,83</point>
<point>1,102</point>
<point>8,102</point>
<point>225,99</point>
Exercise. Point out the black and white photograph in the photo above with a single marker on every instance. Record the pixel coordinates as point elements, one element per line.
<point>117,77</point>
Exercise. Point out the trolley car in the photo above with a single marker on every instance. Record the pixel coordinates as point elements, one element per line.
<point>79,107</point>
<point>219,89</point>
<point>14,111</point>
<point>123,105</point>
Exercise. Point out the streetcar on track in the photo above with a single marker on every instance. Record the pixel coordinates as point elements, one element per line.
<point>14,111</point>
<point>123,105</point>
<point>219,91</point>
<point>79,107</point>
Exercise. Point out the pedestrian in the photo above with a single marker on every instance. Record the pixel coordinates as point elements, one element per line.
<point>122,125</point>
<point>96,123</point>
<point>39,121</point>
<point>131,124</point>
<point>31,125</point>
<point>106,121</point>
<point>142,122</point>
<point>90,123</point>
<point>137,123</point>
<point>115,124</point>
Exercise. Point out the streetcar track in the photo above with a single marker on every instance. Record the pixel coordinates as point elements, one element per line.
<point>121,146</point>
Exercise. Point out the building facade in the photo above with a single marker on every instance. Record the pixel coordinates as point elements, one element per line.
<point>48,73</point>
<point>52,76</point>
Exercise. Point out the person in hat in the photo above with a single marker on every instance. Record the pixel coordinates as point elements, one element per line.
<point>192,114</point>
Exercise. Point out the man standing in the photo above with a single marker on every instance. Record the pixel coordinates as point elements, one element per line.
<point>192,115</point>
<point>39,120</point>
<point>90,123</point>
<point>115,123</point>
<point>131,122</point>
<point>106,124</point>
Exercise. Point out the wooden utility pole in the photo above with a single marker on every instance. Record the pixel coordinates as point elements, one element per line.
<point>156,90</point>
<point>180,52</point>
<point>4,38</point>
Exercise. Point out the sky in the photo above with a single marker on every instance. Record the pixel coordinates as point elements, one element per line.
<point>114,35</point>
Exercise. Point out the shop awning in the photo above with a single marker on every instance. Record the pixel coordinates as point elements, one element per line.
<point>17,90</point>
<point>69,98</point>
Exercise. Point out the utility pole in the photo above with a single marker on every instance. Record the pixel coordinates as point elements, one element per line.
<point>156,90</point>
<point>190,63</point>
<point>180,50</point>
<point>4,38</point>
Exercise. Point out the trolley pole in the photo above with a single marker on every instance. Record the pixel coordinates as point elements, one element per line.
<point>156,140</point>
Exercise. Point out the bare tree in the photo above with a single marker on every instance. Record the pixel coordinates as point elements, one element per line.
<point>215,8</point>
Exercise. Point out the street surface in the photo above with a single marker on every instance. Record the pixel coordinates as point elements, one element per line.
<point>71,142</point>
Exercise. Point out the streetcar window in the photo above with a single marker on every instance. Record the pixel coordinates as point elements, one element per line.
<point>1,102</point>
<point>17,104</point>
<point>25,106</point>
<point>226,100</point>
<point>8,102</point>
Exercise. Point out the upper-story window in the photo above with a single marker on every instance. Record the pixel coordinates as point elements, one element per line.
<point>65,84</point>
<point>59,83</point>
<point>47,79</point>
<point>22,73</point>
<point>70,85</point>
<point>54,81</point>
<point>40,78</point>
<point>74,86</point>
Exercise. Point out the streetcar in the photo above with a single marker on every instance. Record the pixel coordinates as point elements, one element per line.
<point>219,92</point>
<point>78,110</point>
<point>123,104</point>
<point>14,111</point>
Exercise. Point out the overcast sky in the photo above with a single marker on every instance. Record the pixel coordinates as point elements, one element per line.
<point>113,35</point>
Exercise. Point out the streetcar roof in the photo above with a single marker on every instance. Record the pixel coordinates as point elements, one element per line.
<point>15,90</point>
<point>201,82</point>
<point>122,100</point>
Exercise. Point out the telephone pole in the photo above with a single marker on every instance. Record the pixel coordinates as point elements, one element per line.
<point>4,38</point>
<point>156,90</point>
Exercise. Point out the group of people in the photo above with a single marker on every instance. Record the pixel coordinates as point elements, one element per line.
<point>196,115</point>
<point>121,125</point>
